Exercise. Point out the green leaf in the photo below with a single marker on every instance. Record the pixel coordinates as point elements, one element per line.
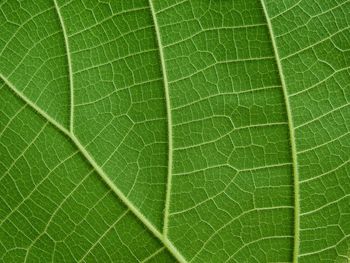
<point>164,131</point>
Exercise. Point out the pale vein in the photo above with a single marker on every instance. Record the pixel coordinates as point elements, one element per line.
<point>69,62</point>
<point>100,172</point>
<point>168,109</point>
<point>291,137</point>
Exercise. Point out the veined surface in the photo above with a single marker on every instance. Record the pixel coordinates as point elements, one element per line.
<point>191,131</point>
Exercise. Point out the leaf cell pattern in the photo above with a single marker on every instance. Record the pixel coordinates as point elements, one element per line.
<point>165,131</point>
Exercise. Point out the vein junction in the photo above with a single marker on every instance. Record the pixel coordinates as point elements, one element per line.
<point>70,135</point>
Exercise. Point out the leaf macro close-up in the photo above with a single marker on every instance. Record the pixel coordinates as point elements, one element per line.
<point>175,131</point>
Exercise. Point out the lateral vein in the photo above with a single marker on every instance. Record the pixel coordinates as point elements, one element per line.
<point>291,138</point>
<point>170,247</point>
<point>70,72</point>
<point>169,120</point>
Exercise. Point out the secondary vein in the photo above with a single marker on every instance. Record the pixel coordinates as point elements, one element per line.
<point>291,138</point>
<point>70,72</point>
<point>170,247</point>
<point>169,120</point>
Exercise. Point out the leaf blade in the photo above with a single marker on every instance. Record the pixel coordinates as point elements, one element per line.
<point>184,109</point>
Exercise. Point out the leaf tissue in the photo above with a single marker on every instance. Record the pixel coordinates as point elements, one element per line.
<point>175,131</point>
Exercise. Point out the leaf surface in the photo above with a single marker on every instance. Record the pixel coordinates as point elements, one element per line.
<point>164,131</point>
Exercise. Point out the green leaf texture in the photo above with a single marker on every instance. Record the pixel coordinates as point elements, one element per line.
<point>165,131</point>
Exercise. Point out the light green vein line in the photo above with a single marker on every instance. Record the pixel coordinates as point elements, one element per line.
<point>33,106</point>
<point>153,255</point>
<point>53,214</point>
<point>11,120</point>
<point>29,195</point>
<point>103,235</point>
<point>291,138</point>
<point>168,110</point>
<point>70,72</point>
<point>101,173</point>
